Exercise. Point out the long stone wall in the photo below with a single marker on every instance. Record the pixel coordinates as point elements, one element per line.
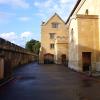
<point>12,55</point>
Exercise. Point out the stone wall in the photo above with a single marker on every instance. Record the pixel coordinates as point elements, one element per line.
<point>13,55</point>
<point>61,48</point>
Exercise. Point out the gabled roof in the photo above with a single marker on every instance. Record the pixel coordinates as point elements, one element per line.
<point>77,3</point>
<point>44,23</point>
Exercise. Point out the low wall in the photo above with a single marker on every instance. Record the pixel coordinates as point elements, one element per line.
<point>14,55</point>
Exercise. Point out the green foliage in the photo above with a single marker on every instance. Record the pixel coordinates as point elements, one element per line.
<point>33,46</point>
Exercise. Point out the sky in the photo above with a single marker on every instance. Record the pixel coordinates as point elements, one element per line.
<point>20,20</point>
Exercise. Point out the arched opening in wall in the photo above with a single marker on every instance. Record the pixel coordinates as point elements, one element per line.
<point>48,58</point>
<point>72,35</point>
<point>63,58</point>
<point>86,12</point>
<point>7,68</point>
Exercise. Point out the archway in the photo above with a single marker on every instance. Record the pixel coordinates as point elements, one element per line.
<point>48,58</point>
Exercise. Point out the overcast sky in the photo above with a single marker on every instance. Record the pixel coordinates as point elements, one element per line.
<point>20,20</point>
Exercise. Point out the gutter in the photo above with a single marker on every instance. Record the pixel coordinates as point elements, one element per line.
<point>77,3</point>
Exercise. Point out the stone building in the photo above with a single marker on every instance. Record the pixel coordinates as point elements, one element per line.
<point>84,36</point>
<point>78,41</point>
<point>54,46</point>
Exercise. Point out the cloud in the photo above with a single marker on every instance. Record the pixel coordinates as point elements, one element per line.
<point>15,3</point>
<point>26,34</point>
<point>44,4</point>
<point>9,36</point>
<point>2,15</point>
<point>19,39</point>
<point>44,10</point>
<point>64,1</point>
<point>5,15</point>
<point>24,18</point>
<point>49,7</point>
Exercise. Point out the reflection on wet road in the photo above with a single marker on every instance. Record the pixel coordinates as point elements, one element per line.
<point>49,82</point>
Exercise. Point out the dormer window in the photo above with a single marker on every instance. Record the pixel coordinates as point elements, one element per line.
<point>55,25</point>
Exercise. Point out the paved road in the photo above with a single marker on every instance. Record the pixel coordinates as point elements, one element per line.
<point>49,82</point>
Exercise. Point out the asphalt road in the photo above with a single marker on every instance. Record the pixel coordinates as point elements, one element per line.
<point>49,82</point>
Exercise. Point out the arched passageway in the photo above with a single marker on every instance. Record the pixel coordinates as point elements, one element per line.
<point>48,58</point>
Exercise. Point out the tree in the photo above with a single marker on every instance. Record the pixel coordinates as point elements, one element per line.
<point>33,46</point>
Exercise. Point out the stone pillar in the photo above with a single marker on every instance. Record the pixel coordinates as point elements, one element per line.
<point>1,68</point>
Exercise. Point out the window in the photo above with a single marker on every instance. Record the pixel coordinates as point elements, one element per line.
<point>51,46</point>
<point>87,12</point>
<point>72,32</point>
<point>55,25</point>
<point>52,35</point>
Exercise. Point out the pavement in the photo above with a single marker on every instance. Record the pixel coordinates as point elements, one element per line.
<point>50,82</point>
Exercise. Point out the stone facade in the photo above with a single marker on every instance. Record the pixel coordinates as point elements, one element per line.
<point>79,39</point>
<point>53,41</point>
<point>84,36</point>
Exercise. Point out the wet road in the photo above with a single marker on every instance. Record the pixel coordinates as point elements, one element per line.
<point>49,82</point>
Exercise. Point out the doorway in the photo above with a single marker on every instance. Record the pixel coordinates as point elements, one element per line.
<point>63,58</point>
<point>86,60</point>
<point>48,58</point>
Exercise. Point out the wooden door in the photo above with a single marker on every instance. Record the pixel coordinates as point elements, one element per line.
<point>48,58</point>
<point>86,60</point>
<point>63,59</point>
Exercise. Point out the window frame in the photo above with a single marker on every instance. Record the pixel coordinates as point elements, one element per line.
<point>52,35</point>
<point>55,25</point>
<point>52,46</point>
